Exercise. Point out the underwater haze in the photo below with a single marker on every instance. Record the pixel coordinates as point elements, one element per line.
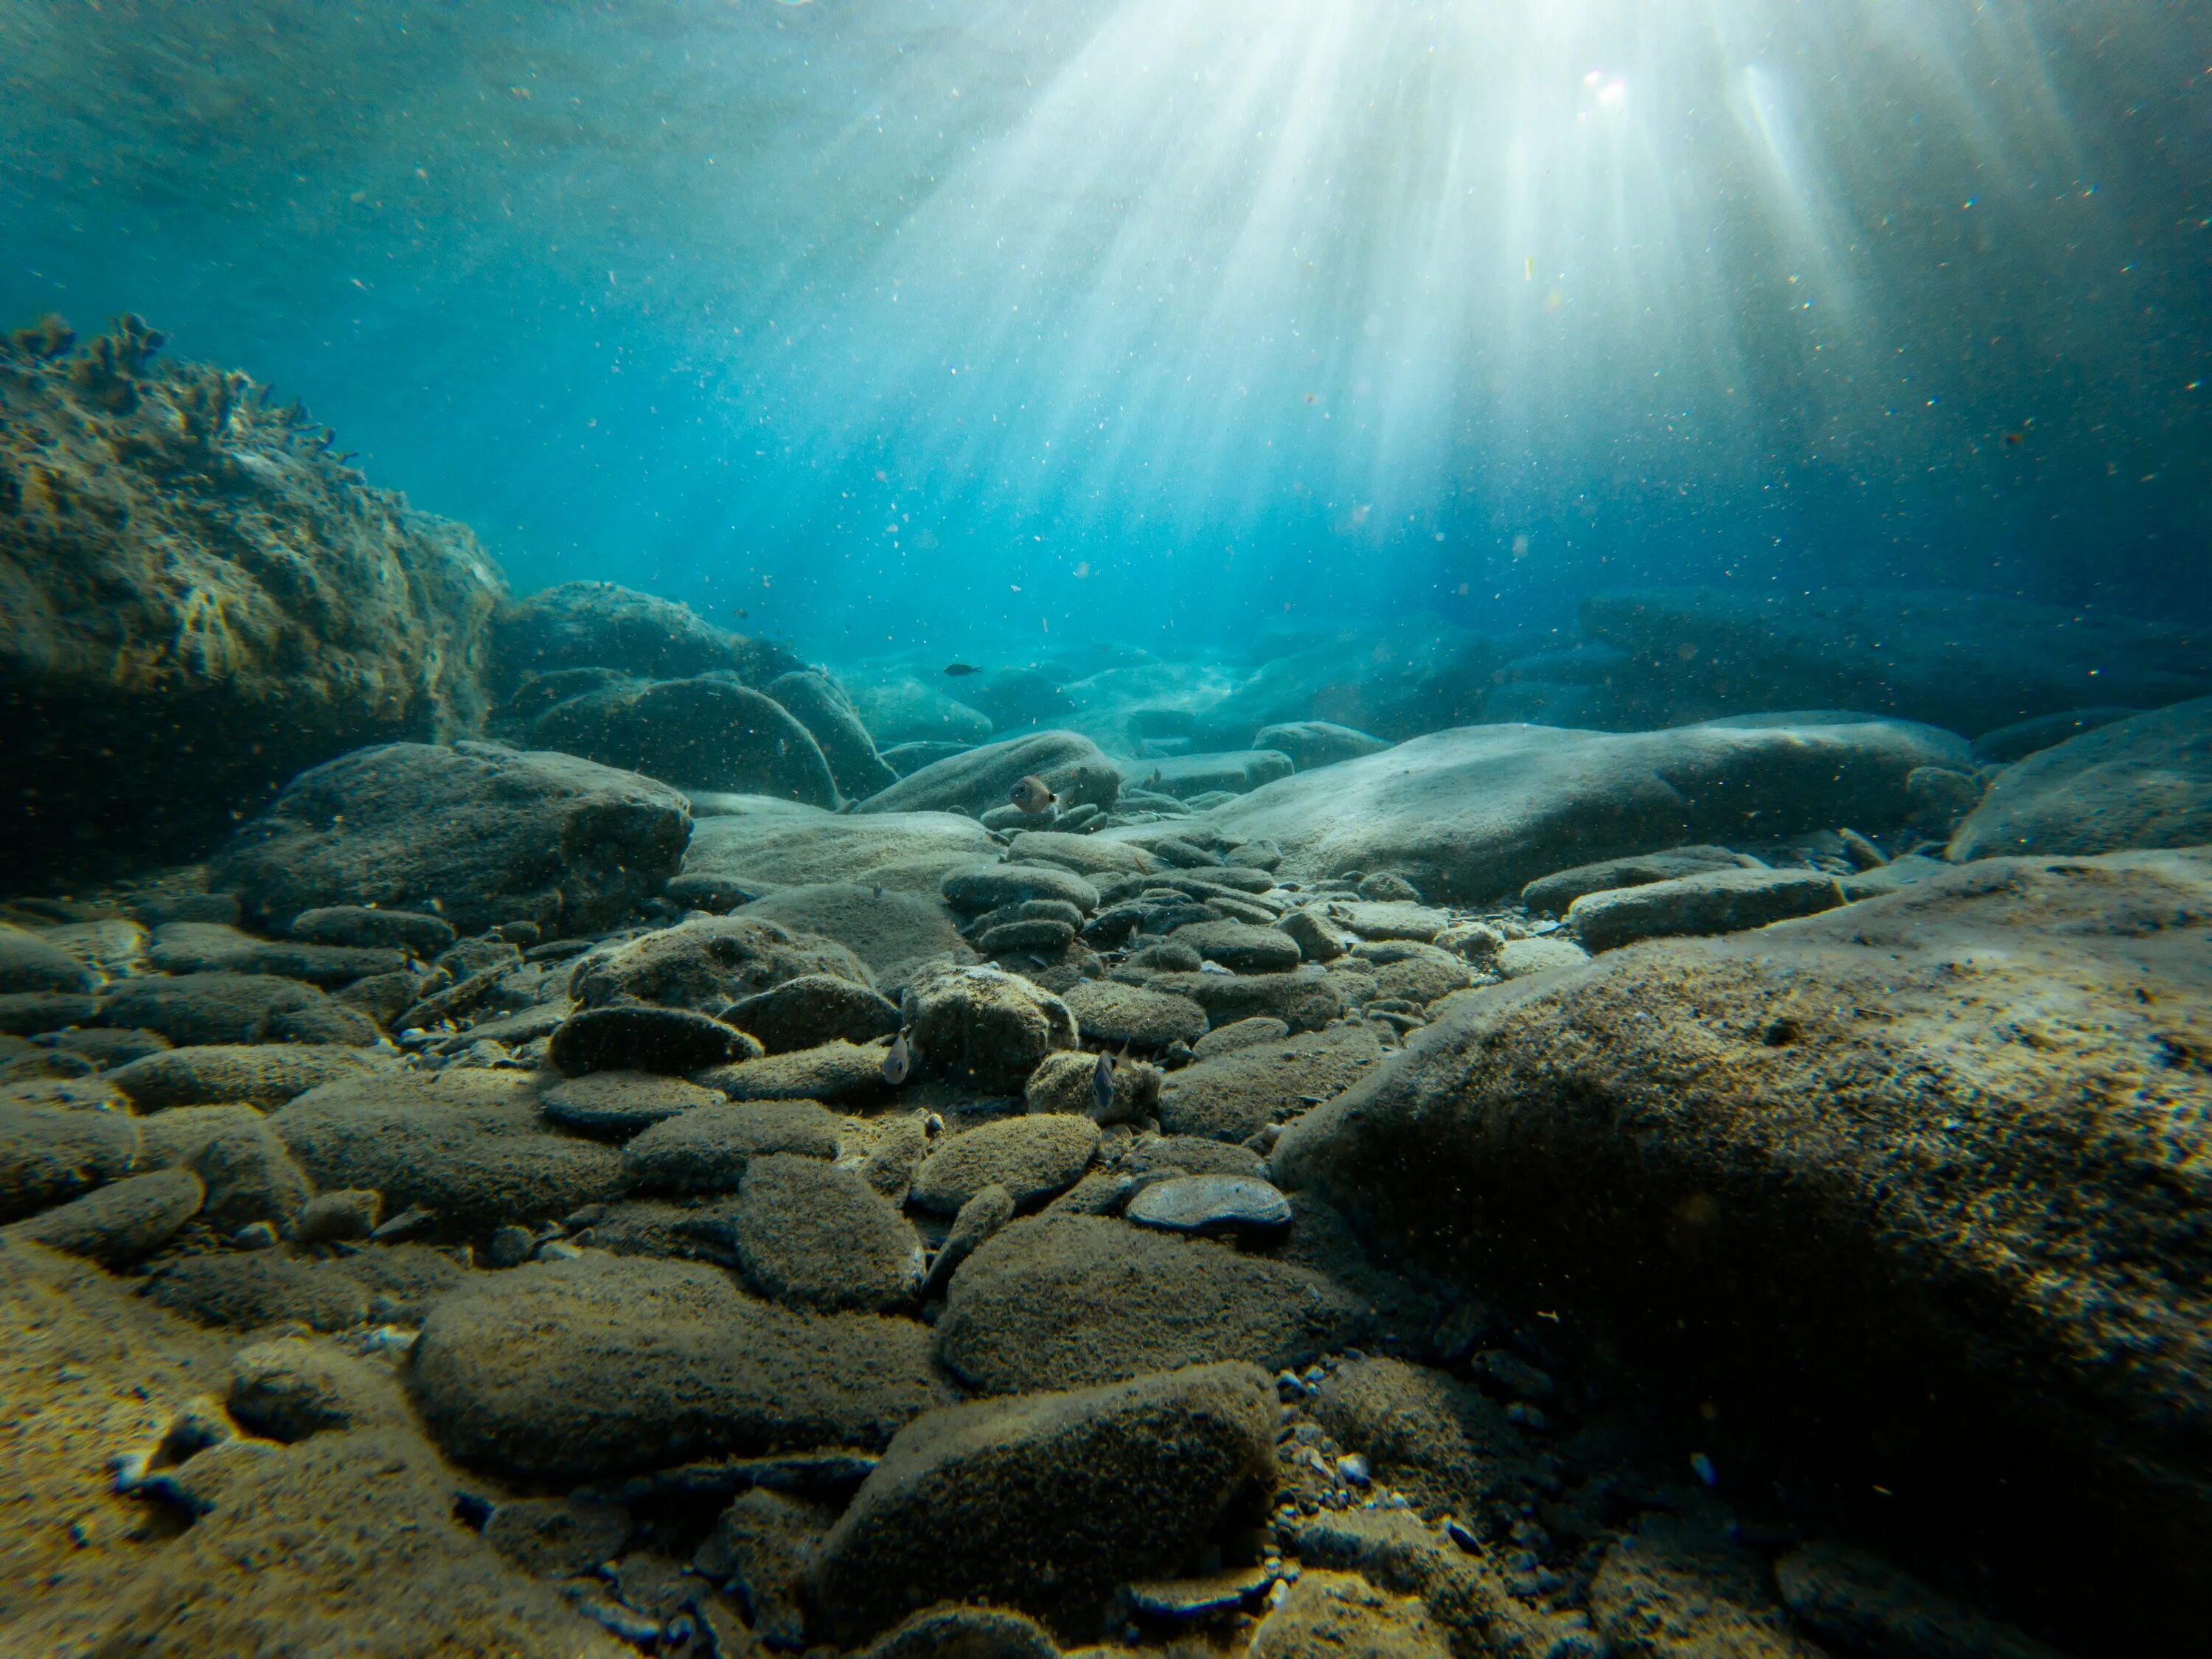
<point>954,321</point>
<point>1106,829</point>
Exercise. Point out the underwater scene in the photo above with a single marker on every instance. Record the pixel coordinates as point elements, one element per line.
<point>1127,828</point>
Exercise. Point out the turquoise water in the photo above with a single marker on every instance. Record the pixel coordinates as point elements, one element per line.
<point>962,325</point>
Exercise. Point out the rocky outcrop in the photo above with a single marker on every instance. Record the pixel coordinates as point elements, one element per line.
<point>198,597</point>
<point>1914,1178</point>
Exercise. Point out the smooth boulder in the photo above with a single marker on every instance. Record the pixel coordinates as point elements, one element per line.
<point>696,733</point>
<point>609,1365</point>
<point>1049,1502</point>
<point>495,835</point>
<point>1473,814</point>
<point>2145,781</point>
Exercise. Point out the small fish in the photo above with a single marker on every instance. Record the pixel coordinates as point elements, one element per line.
<point>739,612</point>
<point>898,1062</point>
<point>1102,1084</point>
<point>1702,1467</point>
<point>2015,439</point>
<point>958,669</point>
<point>1031,795</point>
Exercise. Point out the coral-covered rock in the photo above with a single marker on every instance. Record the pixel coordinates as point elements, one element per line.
<point>198,597</point>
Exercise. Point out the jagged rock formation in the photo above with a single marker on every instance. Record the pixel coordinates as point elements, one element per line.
<point>198,597</point>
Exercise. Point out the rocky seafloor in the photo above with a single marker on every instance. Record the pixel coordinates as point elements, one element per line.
<point>628,1141</point>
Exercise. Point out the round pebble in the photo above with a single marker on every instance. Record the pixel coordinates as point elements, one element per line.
<point>1213,1206</point>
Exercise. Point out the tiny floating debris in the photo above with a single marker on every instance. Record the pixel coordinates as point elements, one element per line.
<point>959,670</point>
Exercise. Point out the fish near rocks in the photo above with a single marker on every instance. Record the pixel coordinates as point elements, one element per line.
<point>1033,795</point>
<point>898,1062</point>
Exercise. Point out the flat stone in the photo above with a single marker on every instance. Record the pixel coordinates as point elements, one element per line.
<point>289,1388</point>
<point>1086,855</point>
<point>258,1074</point>
<point>841,1073</point>
<point>29,963</point>
<point>892,931</point>
<point>814,1235</point>
<point>1031,1156</point>
<point>1306,999</point>
<point>1518,959</point>
<point>1240,1034</point>
<point>1241,947</point>
<point>1213,1206</point>
<point>414,931</point>
<point>812,1009</point>
<point>707,1148</point>
<point>204,1009</point>
<point>193,947</point>
<point>1064,1301</point>
<point>988,886</point>
<point>49,1155</point>
<point>616,1105</point>
<point>1556,891</point>
<point>1108,1012</point>
<point>635,1038</point>
<point>707,963</point>
<point>1233,1096</point>
<point>120,1222</point>
<point>1071,766</point>
<point>1048,1502</point>
<point>1311,744</point>
<point>601,1365</point>
<point>247,1290</point>
<point>1716,902</point>
<point>782,844</point>
<point>473,1148</point>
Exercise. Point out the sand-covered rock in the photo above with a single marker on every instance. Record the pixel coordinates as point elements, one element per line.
<point>1032,1157</point>
<point>1710,902</point>
<point>822,705</point>
<point>121,1221</point>
<point>214,1010</point>
<point>48,1154</point>
<point>984,1027</point>
<point>603,1364</point>
<point>708,1148</point>
<point>495,835</point>
<point>707,963</point>
<point>1310,744</point>
<point>1475,813</point>
<point>813,1235</point>
<point>1050,1502</point>
<point>2145,781</point>
<point>1556,891</point>
<point>1062,1301</point>
<point>811,1009</point>
<point>30,963</point>
<point>472,1148</point>
<point>258,1074</point>
<point>1951,1119</point>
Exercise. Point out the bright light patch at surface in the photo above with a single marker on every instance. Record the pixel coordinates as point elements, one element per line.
<point>1351,297</point>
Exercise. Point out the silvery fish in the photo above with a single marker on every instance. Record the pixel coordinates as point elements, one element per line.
<point>1102,1084</point>
<point>898,1062</point>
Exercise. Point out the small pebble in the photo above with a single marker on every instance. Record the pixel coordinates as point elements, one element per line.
<point>254,1235</point>
<point>1352,1469</point>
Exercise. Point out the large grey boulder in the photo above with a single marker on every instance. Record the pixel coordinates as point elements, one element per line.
<point>1888,1177</point>
<point>1968,661</point>
<point>494,835</point>
<point>1050,1502</point>
<point>708,734</point>
<point>2145,781</point>
<point>984,1027</point>
<point>1472,814</point>
<point>820,703</point>
<point>1072,766</point>
<point>603,625</point>
<point>610,1365</point>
